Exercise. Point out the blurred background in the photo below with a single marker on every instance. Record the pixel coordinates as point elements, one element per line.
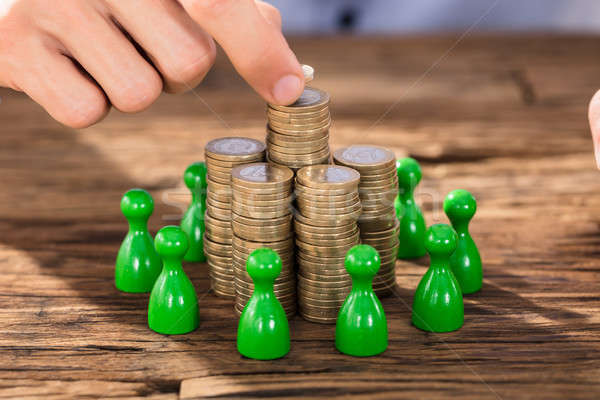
<point>415,16</point>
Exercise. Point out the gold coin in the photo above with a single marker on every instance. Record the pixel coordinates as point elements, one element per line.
<point>324,230</point>
<point>325,250</point>
<point>256,222</point>
<point>292,120</point>
<point>218,168</point>
<point>334,242</point>
<point>218,204</point>
<point>300,151</point>
<point>342,218</point>
<point>211,162</point>
<point>338,223</point>
<point>261,176</point>
<point>305,125</point>
<point>266,200</point>
<point>255,212</point>
<point>326,278</point>
<point>234,148</point>
<point>295,140</point>
<point>304,236</point>
<point>326,177</point>
<point>330,294</point>
<point>324,263</point>
<point>221,197</point>
<point>365,178</point>
<point>219,188</point>
<point>294,158</point>
<point>348,198</point>
<point>320,284</point>
<point>271,112</point>
<point>365,157</point>
<point>263,236</point>
<point>248,244</point>
<point>302,190</point>
<point>305,209</point>
<point>296,165</point>
<point>219,213</point>
<point>209,218</point>
<point>311,99</point>
<point>327,202</point>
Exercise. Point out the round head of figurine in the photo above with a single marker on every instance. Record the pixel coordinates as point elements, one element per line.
<point>171,241</point>
<point>263,264</point>
<point>137,204</point>
<point>195,175</point>
<point>440,240</point>
<point>460,205</point>
<point>409,173</point>
<point>362,261</point>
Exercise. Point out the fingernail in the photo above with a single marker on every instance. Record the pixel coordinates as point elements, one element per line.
<point>287,89</point>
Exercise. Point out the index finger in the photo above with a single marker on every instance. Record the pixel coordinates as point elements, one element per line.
<point>257,48</point>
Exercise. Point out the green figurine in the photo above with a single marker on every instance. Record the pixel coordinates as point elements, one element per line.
<point>361,328</point>
<point>412,223</point>
<point>460,207</point>
<point>173,305</point>
<point>137,265</point>
<point>438,302</point>
<point>193,220</point>
<point>263,331</point>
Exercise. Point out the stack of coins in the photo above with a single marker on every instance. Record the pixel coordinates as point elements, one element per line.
<point>262,217</point>
<point>298,134</point>
<point>378,189</point>
<point>221,155</point>
<point>329,205</point>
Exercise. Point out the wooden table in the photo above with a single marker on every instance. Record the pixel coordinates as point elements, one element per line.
<point>504,117</point>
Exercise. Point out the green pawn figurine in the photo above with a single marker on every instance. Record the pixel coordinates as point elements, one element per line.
<point>193,220</point>
<point>460,207</point>
<point>361,328</point>
<point>137,265</point>
<point>173,306</point>
<point>438,302</point>
<point>412,223</point>
<point>263,331</point>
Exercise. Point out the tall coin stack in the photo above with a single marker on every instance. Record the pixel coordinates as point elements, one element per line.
<point>298,134</point>
<point>262,217</point>
<point>378,189</point>
<point>329,205</point>
<point>221,155</point>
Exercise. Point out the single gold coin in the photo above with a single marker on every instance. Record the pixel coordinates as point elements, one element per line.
<point>330,294</point>
<point>329,177</point>
<point>234,148</point>
<point>293,151</point>
<point>311,99</point>
<point>325,263</point>
<point>365,157</point>
<point>293,119</point>
<point>326,250</point>
<point>257,222</point>
<point>324,240</point>
<point>323,222</point>
<point>211,162</point>
<point>326,278</point>
<point>305,125</point>
<point>275,155</point>
<point>280,245</point>
<point>291,140</point>
<point>301,131</point>
<point>261,175</point>
<point>303,190</point>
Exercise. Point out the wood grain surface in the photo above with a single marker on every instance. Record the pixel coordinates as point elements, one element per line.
<point>504,117</point>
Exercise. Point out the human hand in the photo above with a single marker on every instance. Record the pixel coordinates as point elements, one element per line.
<point>76,58</point>
<point>594,118</point>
